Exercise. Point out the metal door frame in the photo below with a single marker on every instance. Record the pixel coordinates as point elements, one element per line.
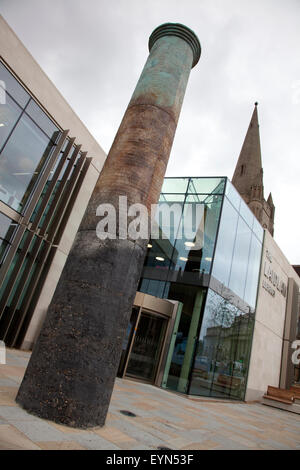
<point>162,346</point>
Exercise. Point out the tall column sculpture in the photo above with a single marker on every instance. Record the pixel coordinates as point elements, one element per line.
<point>73,366</point>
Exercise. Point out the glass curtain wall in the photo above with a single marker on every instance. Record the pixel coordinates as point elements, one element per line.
<point>27,137</point>
<point>41,171</point>
<point>178,266</point>
<point>210,263</point>
<point>224,344</point>
<point>187,220</point>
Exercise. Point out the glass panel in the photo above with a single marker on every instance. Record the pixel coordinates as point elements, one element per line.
<point>42,120</point>
<point>225,243</point>
<point>127,340</point>
<point>207,185</point>
<point>3,247</point>
<point>21,161</point>
<point>240,259</point>
<point>145,352</point>
<point>7,229</point>
<point>184,242</point>
<point>172,345</point>
<point>18,279</point>
<point>12,86</point>
<point>192,256</point>
<point>157,288</point>
<point>175,185</point>
<point>164,197</point>
<point>258,230</point>
<point>223,349</point>
<point>8,276</point>
<point>206,349</point>
<point>27,284</point>
<point>179,365</point>
<point>233,195</point>
<point>9,114</point>
<point>246,213</point>
<point>200,198</point>
<point>253,272</point>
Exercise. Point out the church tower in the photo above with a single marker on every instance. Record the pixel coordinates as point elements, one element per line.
<point>248,176</point>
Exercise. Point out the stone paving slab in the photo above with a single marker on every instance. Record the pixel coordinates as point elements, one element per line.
<point>162,419</point>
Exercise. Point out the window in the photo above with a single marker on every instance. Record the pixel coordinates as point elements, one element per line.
<point>21,161</point>
<point>9,115</point>
<point>13,87</point>
<point>7,229</point>
<point>26,138</point>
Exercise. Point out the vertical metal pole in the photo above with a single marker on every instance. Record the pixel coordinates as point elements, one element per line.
<point>72,370</point>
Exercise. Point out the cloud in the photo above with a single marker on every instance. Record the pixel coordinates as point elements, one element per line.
<point>94,52</point>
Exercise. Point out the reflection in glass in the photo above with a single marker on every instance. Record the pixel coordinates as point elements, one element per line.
<point>181,355</point>
<point>225,243</point>
<point>233,195</point>
<point>41,119</point>
<point>13,87</point>
<point>253,272</point>
<point>21,161</point>
<point>175,185</point>
<point>158,289</point>
<point>214,363</point>
<point>246,213</point>
<point>239,266</point>
<point>257,229</point>
<point>196,257</point>
<point>223,350</point>
<point>9,114</point>
<point>184,250</point>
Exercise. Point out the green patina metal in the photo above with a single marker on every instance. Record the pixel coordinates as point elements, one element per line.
<point>174,50</point>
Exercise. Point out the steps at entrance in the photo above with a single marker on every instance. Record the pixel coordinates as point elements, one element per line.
<point>288,400</point>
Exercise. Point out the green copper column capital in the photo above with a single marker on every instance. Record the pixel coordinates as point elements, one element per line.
<point>181,31</point>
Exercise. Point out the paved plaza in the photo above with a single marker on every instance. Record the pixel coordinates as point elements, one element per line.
<point>163,419</point>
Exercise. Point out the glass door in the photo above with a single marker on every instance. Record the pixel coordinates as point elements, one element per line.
<point>127,341</point>
<point>147,344</point>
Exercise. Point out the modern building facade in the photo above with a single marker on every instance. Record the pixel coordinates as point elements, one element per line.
<point>235,295</point>
<point>217,305</point>
<point>49,164</point>
<point>214,277</point>
<point>277,322</point>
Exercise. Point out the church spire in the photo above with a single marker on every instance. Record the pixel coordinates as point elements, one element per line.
<point>248,173</point>
<point>248,176</point>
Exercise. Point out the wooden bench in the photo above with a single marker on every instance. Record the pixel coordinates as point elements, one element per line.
<point>280,394</point>
<point>296,390</point>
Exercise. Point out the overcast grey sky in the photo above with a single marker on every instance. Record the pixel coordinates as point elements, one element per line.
<point>94,51</point>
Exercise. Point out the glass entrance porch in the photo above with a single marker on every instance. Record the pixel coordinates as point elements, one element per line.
<point>147,338</point>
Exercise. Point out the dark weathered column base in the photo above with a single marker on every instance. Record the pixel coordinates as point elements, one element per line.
<point>70,376</point>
